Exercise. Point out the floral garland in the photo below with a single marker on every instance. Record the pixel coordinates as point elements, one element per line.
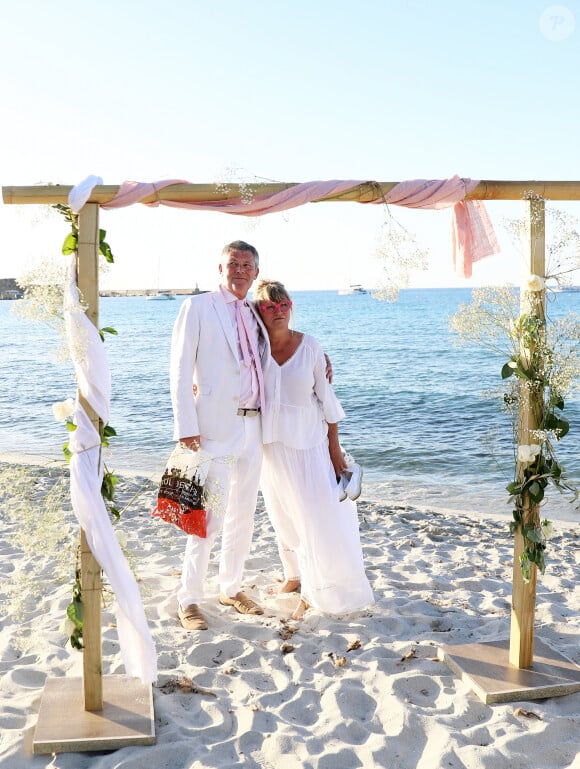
<point>536,366</point>
<point>543,366</point>
<point>63,412</point>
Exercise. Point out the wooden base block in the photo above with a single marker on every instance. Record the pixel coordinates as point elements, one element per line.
<point>485,667</point>
<point>64,726</point>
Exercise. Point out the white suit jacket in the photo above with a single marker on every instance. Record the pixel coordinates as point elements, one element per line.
<point>204,352</point>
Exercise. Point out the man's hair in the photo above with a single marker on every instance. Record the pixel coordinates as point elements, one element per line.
<point>241,245</point>
<point>270,291</point>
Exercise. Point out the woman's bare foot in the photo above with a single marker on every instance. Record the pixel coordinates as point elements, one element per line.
<point>289,586</point>
<point>300,610</point>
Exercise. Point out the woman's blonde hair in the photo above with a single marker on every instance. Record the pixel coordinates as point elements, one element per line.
<point>270,291</point>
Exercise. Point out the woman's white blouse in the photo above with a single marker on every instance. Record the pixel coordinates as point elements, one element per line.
<point>299,400</point>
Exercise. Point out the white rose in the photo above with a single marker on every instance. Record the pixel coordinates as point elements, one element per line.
<point>547,529</point>
<point>121,537</point>
<point>535,283</point>
<point>67,627</point>
<point>527,454</point>
<point>63,409</point>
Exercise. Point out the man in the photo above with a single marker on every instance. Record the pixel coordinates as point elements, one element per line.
<point>216,347</point>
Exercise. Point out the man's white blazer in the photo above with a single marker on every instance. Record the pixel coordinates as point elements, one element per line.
<point>204,353</point>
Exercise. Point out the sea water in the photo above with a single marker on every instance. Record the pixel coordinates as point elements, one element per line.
<point>418,418</point>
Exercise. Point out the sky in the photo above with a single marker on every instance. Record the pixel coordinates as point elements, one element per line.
<point>283,90</point>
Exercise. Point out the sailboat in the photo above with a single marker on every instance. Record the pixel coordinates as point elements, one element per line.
<point>354,288</point>
<point>160,295</point>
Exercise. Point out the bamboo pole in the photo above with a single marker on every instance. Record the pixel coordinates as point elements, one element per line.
<point>365,192</point>
<point>521,652</point>
<point>88,283</point>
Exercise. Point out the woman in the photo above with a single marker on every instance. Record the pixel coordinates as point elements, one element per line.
<point>317,533</point>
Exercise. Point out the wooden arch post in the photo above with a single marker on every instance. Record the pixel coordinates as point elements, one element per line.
<point>521,654</point>
<point>88,284</point>
<point>96,712</point>
<point>525,667</point>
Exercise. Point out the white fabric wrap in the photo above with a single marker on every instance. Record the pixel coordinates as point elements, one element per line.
<point>79,194</point>
<point>86,475</point>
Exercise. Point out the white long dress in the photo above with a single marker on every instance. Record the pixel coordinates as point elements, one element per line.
<point>318,536</point>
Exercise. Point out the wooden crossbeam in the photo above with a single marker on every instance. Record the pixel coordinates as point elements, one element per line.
<point>365,192</point>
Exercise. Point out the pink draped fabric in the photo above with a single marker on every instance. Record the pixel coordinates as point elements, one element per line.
<point>473,237</point>
<point>297,195</point>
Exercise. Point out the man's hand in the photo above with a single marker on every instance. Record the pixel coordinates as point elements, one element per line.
<point>192,442</point>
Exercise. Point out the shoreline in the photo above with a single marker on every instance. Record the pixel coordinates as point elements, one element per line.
<point>386,493</point>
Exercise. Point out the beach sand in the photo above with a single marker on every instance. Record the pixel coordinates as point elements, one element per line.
<point>367,690</point>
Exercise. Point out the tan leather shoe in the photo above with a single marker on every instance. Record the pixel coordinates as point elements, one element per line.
<point>191,617</point>
<point>241,603</point>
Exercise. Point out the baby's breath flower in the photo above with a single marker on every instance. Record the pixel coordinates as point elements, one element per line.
<point>400,255</point>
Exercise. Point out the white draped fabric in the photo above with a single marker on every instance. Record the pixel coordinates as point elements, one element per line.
<point>86,475</point>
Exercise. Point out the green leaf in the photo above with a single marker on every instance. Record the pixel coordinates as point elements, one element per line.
<point>552,422</point>
<point>105,250</point>
<point>109,330</point>
<point>70,244</point>
<point>74,612</point>
<point>108,486</point>
<point>521,373</point>
<point>70,426</point>
<point>75,640</point>
<point>506,371</point>
<point>563,427</point>
<point>108,430</point>
<point>532,533</point>
<point>67,452</point>
<point>536,491</point>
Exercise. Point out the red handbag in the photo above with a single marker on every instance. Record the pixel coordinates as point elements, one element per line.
<point>180,499</point>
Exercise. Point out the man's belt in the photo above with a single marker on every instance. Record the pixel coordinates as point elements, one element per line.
<point>248,412</point>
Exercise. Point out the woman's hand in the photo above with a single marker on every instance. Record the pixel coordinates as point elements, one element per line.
<point>336,455</point>
<point>337,459</point>
<point>328,368</point>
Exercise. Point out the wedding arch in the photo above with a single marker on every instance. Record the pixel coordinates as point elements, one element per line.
<point>503,670</point>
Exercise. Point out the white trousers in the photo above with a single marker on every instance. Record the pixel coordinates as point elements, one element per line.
<point>232,487</point>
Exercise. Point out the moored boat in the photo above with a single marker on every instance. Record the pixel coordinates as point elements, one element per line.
<point>354,288</point>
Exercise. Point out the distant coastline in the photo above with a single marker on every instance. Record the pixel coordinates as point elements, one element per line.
<point>151,291</point>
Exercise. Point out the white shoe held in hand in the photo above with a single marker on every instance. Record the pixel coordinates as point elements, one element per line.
<point>354,486</point>
<point>341,485</point>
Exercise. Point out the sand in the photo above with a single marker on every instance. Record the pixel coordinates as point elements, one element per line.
<point>366,690</point>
